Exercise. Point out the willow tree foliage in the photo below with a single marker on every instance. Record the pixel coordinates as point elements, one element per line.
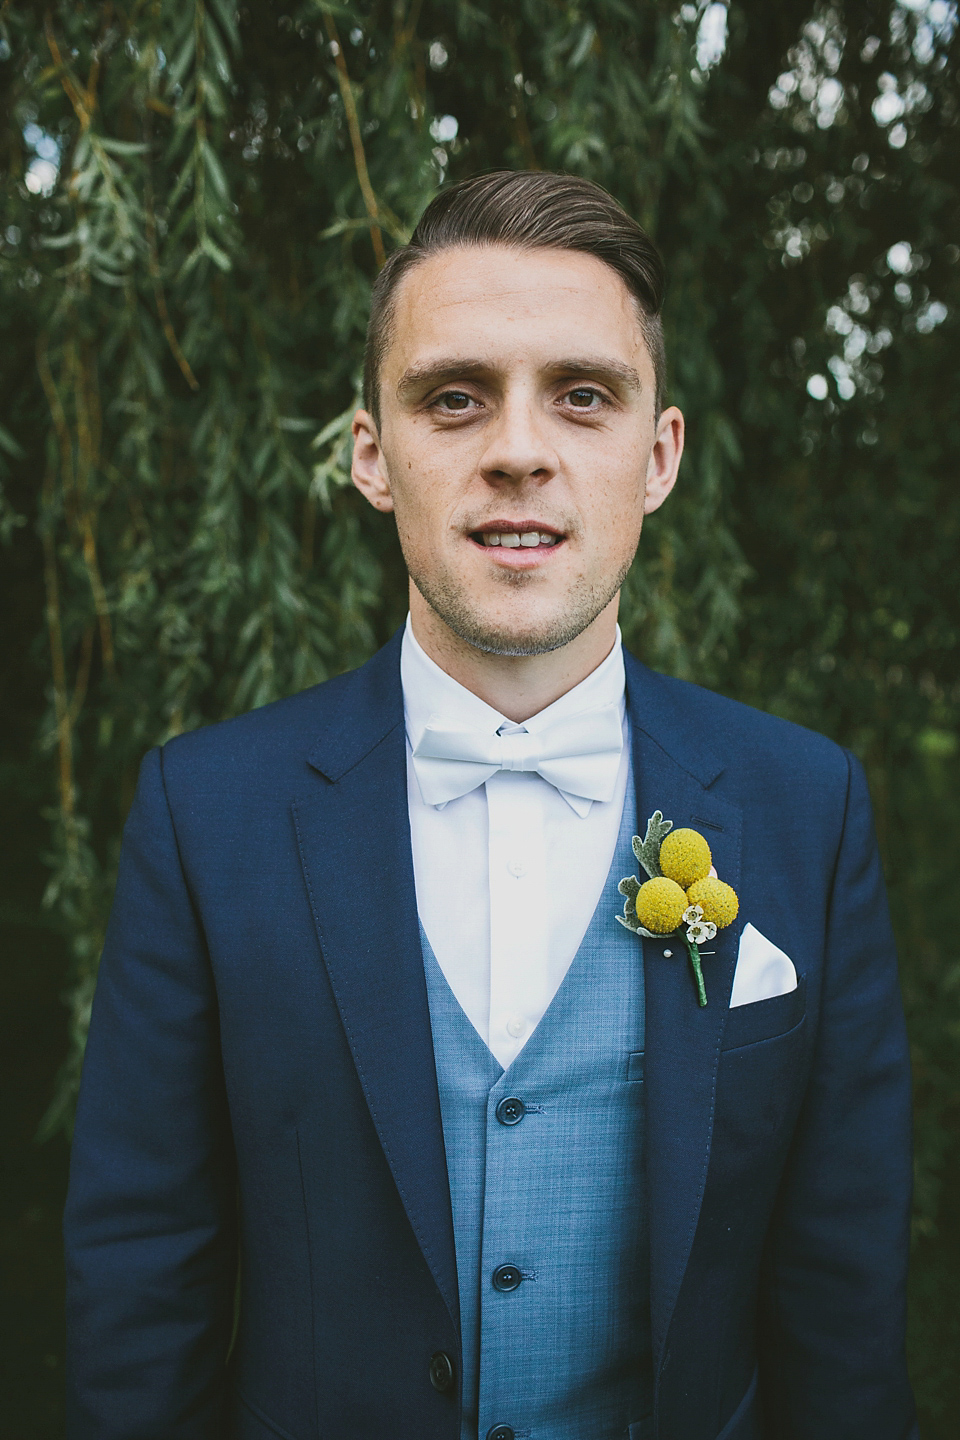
<point>195,200</point>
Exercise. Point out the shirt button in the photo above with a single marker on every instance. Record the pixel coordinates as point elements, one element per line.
<point>516,1026</point>
<point>668,954</point>
<point>517,869</point>
<point>511,1111</point>
<point>441,1372</point>
<point>500,1432</point>
<point>506,1277</point>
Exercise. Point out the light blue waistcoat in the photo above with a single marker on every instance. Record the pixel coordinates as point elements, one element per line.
<point>558,1195</point>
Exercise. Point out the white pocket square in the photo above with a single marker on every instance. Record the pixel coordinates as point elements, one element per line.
<point>762,971</point>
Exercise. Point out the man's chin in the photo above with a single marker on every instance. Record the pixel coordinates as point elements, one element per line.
<point>533,624</point>
<point>503,643</point>
<point>514,636</point>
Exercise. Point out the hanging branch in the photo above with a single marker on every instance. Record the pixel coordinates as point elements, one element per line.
<point>356,139</point>
<point>405,30</point>
<point>519,107</point>
<point>75,490</point>
<point>524,138</point>
<point>200,124</point>
<point>57,413</point>
<point>83,674</point>
<point>58,668</point>
<point>160,299</point>
<point>152,102</point>
<point>82,100</point>
<point>98,590</point>
<point>88,443</point>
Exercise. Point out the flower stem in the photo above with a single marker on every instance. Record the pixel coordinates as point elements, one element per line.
<point>694,954</point>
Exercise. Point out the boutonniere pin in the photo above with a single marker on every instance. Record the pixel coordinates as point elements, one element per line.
<point>683,895</point>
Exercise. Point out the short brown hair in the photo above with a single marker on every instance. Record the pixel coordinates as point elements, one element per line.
<point>528,209</point>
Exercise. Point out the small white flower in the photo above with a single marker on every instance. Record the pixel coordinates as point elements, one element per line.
<point>700,930</point>
<point>693,914</point>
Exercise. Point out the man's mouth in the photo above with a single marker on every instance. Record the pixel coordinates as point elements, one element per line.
<point>524,537</point>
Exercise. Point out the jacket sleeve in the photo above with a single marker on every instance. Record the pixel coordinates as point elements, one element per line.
<point>833,1298</point>
<point>150,1224</point>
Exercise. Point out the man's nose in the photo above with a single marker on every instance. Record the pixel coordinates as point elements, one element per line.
<point>518,446</point>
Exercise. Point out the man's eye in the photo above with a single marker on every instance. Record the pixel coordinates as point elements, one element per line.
<point>582,399</point>
<point>453,400</point>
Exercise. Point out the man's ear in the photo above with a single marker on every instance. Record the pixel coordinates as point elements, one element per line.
<point>664,459</point>
<point>369,470</point>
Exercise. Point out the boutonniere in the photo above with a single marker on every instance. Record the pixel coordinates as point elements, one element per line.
<point>683,895</point>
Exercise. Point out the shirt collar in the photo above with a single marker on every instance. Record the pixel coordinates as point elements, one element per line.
<point>429,693</point>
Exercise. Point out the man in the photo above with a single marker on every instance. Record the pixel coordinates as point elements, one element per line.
<point>368,1034</point>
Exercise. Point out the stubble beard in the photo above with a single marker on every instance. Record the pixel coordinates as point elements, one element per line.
<point>583,602</point>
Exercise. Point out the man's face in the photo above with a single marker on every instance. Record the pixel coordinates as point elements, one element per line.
<point>517,442</point>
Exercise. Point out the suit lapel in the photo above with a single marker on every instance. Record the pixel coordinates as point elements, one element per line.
<point>673,773</point>
<point>354,837</point>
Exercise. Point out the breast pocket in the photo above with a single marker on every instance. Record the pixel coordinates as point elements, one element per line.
<point>761,1075</point>
<point>765,1019</point>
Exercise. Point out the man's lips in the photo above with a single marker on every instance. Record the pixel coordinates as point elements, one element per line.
<point>528,535</point>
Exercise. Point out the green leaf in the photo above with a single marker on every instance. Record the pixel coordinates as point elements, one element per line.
<point>647,850</point>
<point>219,257</point>
<point>122,147</point>
<point>216,173</point>
<point>217,50</point>
<point>583,46</point>
<point>227,16</point>
<point>629,886</point>
<point>182,61</point>
<point>10,445</point>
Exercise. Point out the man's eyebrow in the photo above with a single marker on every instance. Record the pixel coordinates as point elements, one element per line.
<point>602,366</point>
<point>437,372</point>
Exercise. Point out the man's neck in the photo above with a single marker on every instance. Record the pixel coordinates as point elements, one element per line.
<point>518,686</point>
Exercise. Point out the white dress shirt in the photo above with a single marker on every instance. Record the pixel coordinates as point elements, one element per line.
<point>507,876</point>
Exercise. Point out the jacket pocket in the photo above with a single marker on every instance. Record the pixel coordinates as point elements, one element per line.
<point>765,1019</point>
<point>250,1423</point>
<point>744,1423</point>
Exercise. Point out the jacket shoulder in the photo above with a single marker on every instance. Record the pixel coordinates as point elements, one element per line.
<point>340,715</point>
<point>751,746</point>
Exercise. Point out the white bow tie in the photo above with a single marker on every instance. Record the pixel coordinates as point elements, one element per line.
<point>580,756</point>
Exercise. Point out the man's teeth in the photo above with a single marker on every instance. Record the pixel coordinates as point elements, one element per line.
<point>510,539</point>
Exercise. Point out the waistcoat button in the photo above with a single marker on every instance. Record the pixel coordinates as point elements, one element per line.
<point>441,1372</point>
<point>506,1277</point>
<point>511,1111</point>
<point>500,1432</point>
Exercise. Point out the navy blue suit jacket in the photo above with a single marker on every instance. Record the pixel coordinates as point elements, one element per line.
<point>259,1103</point>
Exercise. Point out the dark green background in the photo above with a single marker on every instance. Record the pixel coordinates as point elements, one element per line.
<point>181,316</point>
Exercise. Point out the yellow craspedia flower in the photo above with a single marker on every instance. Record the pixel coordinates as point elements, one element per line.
<point>717,900</point>
<point>660,905</point>
<point>685,857</point>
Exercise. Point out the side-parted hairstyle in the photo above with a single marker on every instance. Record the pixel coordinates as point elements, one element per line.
<point>530,210</point>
